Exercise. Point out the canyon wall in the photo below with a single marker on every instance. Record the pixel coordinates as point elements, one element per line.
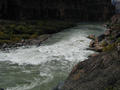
<point>89,10</point>
<point>100,71</point>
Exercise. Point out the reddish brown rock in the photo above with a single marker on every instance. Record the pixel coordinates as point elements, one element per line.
<point>91,37</point>
<point>93,55</point>
<point>107,32</point>
<point>92,44</point>
<point>115,19</point>
<point>98,48</point>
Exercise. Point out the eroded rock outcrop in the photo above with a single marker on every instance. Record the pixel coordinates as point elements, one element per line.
<point>101,71</point>
<point>97,73</point>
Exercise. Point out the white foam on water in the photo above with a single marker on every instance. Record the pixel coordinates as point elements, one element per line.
<point>70,46</point>
<point>68,49</point>
<point>67,46</point>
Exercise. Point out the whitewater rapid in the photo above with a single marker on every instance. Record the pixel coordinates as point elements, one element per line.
<point>41,68</point>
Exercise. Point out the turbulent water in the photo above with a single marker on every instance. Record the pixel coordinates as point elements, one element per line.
<point>43,67</point>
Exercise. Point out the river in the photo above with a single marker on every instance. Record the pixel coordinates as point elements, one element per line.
<point>43,67</point>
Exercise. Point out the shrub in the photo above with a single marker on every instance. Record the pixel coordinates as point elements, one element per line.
<point>35,35</point>
<point>15,39</point>
<point>12,26</point>
<point>4,36</point>
<point>21,29</point>
<point>23,36</point>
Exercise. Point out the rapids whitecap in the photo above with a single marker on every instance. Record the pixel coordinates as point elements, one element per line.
<point>41,68</point>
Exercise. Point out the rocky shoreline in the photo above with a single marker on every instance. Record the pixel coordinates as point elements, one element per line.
<point>101,71</point>
<point>28,42</point>
<point>26,33</point>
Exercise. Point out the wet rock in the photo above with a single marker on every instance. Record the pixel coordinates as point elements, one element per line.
<point>39,40</point>
<point>43,37</point>
<point>93,55</point>
<point>59,86</point>
<point>98,48</point>
<point>36,41</point>
<point>92,44</point>
<point>115,19</point>
<point>1,89</point>
<point>107,32</point>
<point>4,45</point>
<point>91,37</point>
<point>95,46</point>
<point>91,48</point>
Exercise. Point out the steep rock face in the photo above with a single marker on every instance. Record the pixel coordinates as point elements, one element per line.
<point>102,71</point>
<point>60,9</point>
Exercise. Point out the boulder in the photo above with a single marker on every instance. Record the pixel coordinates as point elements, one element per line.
<point>115,19</point>
<point>93,55</point>
<point>59,86</point>
<point>101,37</point>
<point>91,37</point>
<point>92,44</point>
<point>5,45</point>
<point>98,48</point>
<point>107,32</point>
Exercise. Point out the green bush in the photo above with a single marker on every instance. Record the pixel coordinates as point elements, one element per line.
<point>4,36</point>
<point>21,29</point>
<point>15,39</point>
<point>15,31</point>
<point>35,35</point>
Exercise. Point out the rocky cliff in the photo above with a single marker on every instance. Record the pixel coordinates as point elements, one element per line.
<point>56,9</point>
<point>102,71</point>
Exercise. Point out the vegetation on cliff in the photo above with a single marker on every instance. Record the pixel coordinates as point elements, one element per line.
<point>14,32</point>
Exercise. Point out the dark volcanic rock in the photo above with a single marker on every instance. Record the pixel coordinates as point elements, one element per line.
<point>58,9</point>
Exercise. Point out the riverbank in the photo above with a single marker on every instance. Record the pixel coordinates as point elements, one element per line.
<point>42,67</point>
<point>22,33</point>
<point>101,71</point>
